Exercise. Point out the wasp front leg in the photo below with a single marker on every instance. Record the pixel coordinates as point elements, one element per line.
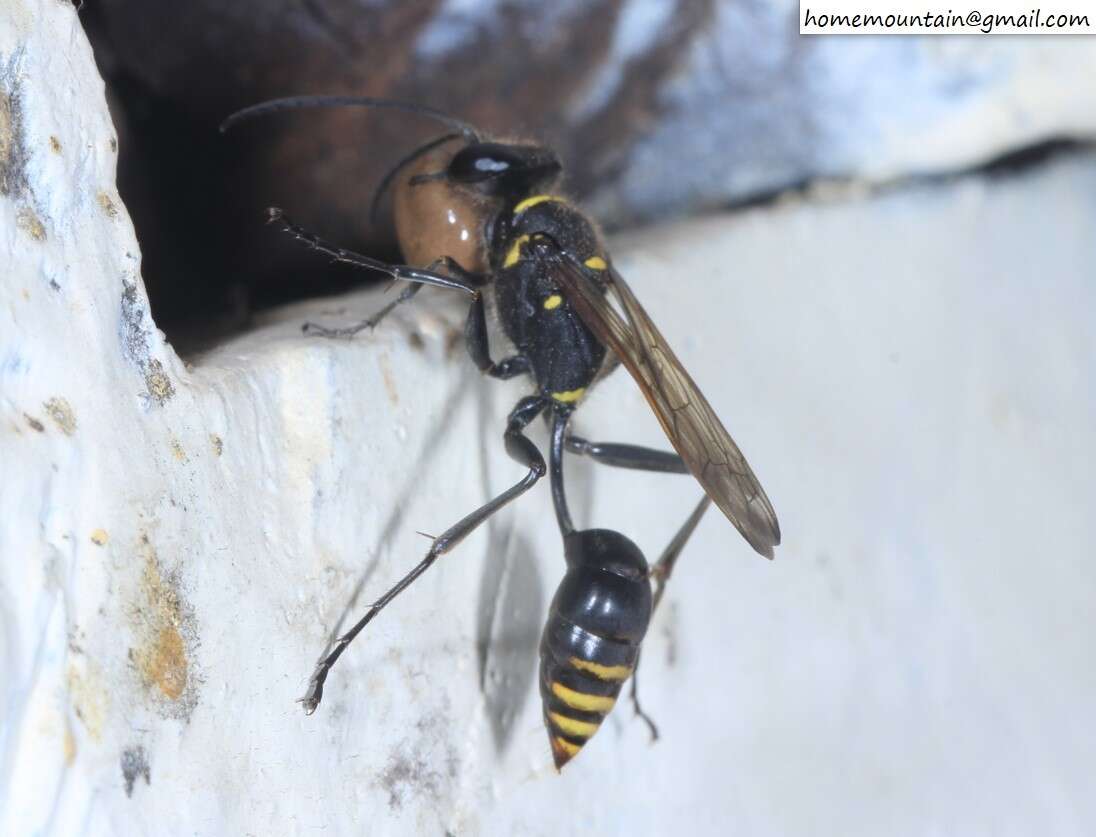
<point>475,335</point>
<point>465,282</point>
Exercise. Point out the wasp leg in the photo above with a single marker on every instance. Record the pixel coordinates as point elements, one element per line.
<point>396,271</point>
<point>475,340</point>
<point>627,456</point>
<point>555,470</point>
<point>475,329</point>
<point>660,573</point>
<point>633,695</point>
<point>662,569</point>
<point>521,450</point>
<point>369,323</point>
<point>419,276</point>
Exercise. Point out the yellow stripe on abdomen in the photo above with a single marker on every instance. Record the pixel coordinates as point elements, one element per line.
<point>566,747</point>
<point>582,701</point>
<point>572,726</point>
<point>601,672</point>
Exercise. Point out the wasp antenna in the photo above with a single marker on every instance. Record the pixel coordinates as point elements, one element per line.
<point>301,102</point>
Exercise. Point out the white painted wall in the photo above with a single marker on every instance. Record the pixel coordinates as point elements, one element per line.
<point>910,375</point>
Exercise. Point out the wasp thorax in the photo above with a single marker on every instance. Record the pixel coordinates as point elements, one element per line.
<point>436,218</point>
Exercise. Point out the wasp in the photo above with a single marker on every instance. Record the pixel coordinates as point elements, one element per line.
<point>484,217</point>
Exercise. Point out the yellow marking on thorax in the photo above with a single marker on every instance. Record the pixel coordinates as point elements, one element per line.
<point>529,203</point>
<point>602,672</point>
<point>595,263</point>
<point>554,301</point>
<point>514,253</point>
<point>569,397</point>
<point>581,700</point>
<point>572,726</point>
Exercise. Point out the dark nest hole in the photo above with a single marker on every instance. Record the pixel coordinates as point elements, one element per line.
<point>198,201</point>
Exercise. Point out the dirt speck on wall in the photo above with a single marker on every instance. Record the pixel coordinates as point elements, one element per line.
<point>134,764</point>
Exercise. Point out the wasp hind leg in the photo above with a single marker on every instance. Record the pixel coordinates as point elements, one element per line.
<point>634,457</point>
<point>522,451</point>
<point>660,574</point>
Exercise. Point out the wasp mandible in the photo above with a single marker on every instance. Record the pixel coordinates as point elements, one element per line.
<point>484,217</point>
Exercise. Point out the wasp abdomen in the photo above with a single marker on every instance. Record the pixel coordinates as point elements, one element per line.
<point>591,642</point>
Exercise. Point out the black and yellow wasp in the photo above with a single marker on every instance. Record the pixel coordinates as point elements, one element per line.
<point>482,217</point>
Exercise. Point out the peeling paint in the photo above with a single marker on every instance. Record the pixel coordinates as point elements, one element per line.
<point>217,444</point>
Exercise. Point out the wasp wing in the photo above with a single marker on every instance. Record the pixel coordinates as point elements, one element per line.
<point>687,418</point>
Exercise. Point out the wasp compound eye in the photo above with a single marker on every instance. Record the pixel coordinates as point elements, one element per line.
<point>497,168</point>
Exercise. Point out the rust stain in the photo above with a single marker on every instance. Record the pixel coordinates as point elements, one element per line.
<point>389,381</point>
<point>164,663</point>
<point>28,222</point>
<point>89,699</point>
<point>178,452</point>
<point>70,746</point>
<point>161,655</point>
<point>158,383</point>
<point>107,205</point>
<point>99,537</point>
<point>61,412</point>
